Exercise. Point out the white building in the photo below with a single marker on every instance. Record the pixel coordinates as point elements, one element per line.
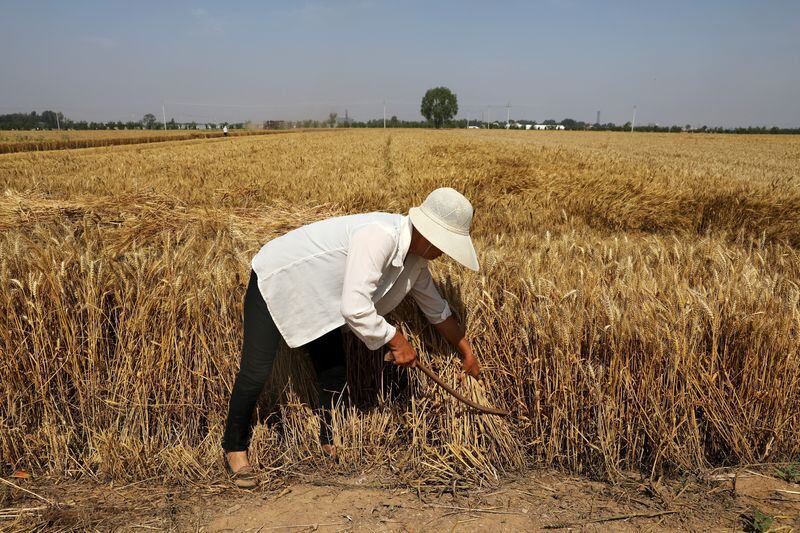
<point>548,127</point>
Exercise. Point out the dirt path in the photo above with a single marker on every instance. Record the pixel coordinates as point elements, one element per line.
<point>540,500</point>
<point>305,507</point>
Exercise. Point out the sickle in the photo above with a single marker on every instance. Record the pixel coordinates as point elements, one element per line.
<point>431,374</point>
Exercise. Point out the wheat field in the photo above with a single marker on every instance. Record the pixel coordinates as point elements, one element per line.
<point>637,308</point>
<point>38,140</point>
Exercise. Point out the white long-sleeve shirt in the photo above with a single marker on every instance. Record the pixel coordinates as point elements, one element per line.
<point>346,270</point>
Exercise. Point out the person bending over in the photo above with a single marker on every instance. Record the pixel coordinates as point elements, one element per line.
<point>347,271</point>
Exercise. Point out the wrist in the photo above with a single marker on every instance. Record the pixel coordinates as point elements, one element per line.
<point>396,340</point>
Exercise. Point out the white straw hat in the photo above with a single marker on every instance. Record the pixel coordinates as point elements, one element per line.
<point>444,219</point>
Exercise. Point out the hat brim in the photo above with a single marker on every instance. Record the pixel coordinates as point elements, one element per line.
<point>459,247</point>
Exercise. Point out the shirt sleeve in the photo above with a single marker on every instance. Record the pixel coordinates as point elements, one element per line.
<point>370,251</point>
<point>433,306</point>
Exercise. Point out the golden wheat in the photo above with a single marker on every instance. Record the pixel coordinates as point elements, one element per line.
<point>29,141</point>
<point>637,305</point>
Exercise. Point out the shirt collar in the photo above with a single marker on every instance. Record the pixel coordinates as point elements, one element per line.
<point>403,243</point>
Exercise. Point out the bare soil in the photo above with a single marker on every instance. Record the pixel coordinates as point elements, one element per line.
<point>725,500</point>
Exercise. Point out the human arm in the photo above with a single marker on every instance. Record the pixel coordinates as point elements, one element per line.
<point>437,311</point>
<point>370,250</point>
<point>451,330</point>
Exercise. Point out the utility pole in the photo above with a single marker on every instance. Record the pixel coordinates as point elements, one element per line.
<point>488,117</point>
<point>508,116</point>
<point>164,114</point>
<point>598,117</point>
<point>384,114</point>
<point>633,122</point>
<point>346,118</point>
<point>58,123</point>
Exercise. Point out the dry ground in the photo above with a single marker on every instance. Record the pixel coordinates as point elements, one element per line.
<point>725,501</point>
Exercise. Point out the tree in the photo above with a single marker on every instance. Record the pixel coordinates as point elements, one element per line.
<point>569,124</point>
<point>149,121</point>
<point>51,119</point>
<point>439,105</point>
<point>332,119</point>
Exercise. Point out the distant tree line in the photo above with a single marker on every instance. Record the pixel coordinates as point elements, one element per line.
<point>568,123</point>
<point>48,120</point>
<point>52,120</point>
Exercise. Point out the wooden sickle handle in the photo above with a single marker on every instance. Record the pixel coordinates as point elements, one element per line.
<point>431,374</point>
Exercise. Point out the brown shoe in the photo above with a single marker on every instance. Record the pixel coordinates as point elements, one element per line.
<point>244,478</point>
<point>331,451</point>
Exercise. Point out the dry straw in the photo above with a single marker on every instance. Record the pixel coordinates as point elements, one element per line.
<point>638,304</point>
<point>11,142</point>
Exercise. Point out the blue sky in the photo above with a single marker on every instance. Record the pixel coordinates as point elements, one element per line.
<point>698,62</point>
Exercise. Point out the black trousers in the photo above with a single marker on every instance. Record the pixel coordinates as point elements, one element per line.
<point>259,349</point>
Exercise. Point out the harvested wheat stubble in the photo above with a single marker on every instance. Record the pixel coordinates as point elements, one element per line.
<point>631,336</point>
<point>52,140</point>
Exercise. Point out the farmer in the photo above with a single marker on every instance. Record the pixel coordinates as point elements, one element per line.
<point>344,271</point>
<point>225,130</point>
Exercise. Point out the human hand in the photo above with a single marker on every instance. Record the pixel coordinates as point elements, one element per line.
<point>402,352</point>
<point>471,365</point>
